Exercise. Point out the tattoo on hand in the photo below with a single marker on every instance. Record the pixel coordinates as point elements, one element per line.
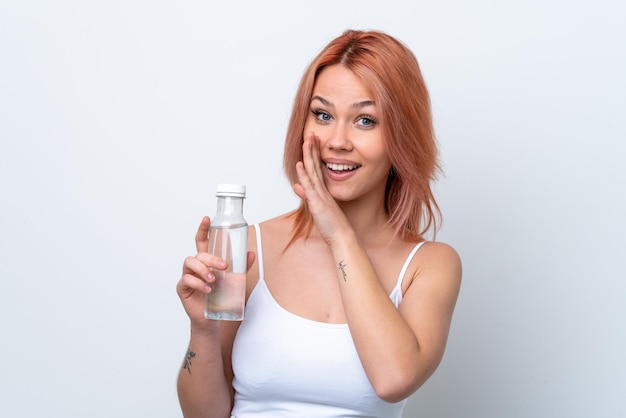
<point>342,266</point>
<point>188,357</point>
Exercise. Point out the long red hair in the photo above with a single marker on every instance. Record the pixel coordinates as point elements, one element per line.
<point>392,72</point>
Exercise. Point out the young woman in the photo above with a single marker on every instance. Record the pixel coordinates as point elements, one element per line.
<point>348,307</point>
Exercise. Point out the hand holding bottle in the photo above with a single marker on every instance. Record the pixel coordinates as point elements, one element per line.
<point>197,276</point>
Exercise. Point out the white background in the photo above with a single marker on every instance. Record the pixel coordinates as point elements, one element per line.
<point>118,119</point>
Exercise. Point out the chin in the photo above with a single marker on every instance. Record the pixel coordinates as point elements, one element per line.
<point>341,195</point>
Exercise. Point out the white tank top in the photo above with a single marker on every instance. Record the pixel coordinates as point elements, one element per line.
<point>289,366</point>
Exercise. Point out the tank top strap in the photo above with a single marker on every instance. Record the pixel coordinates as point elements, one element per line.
<point>259,251</point>
<point>396,293</point>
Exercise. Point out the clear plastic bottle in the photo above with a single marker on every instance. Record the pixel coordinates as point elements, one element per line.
<point>228,239</point>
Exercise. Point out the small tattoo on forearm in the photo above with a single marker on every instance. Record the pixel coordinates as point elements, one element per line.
<point>342,269</point>
<point>188,357</point>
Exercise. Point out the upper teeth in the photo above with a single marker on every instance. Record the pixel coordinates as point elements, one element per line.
<point>341,167</point>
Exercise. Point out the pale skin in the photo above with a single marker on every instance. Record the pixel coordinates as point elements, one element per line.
<point>344,271</point>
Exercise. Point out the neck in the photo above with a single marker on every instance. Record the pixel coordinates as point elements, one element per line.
<point>368,220</point>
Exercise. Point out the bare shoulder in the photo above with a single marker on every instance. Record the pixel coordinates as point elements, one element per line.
<point>437,264</point>
<point>438,255</point>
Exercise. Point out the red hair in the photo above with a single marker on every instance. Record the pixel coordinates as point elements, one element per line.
<point>391,71</point>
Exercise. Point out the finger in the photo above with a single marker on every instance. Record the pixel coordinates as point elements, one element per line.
<point>201,269</point>
<point>315,154</point>
<point>211,261</point>
<point>305,184</point>
<point>189,283</point>
<point>304,168</point>
<point>202,236</point>
<point>310,158</point>
<point>297,187</point>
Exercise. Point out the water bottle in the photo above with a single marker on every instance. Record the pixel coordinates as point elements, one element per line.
<point>228,239</point>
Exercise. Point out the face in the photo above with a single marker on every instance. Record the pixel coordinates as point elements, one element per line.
<point>343,115</point>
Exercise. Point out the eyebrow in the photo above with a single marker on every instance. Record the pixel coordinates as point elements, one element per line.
<point>357,105</point>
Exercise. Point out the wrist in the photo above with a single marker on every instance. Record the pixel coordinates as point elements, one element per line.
<point>205,327</point>
<point>343,240</point>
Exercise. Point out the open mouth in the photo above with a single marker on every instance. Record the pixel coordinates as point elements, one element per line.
<point>341,167</point>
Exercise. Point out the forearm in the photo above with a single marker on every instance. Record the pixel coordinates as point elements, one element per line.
<point>203,389</point>
<point>387,346</point>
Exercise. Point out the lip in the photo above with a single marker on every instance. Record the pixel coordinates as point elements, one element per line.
<point>339,175</point>
<point>338,161</point>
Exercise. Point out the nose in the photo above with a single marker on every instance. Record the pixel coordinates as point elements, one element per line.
<point>339,139</point>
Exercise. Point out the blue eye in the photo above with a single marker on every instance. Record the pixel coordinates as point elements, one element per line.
<point>321,115</point>
<point>366,121</point>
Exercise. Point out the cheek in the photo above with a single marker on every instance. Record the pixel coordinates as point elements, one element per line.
<point>309,124</point>
<point>385,164</point>
<point>312,128</point>
<point>378,151</point>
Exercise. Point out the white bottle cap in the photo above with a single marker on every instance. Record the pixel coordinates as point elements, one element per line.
<point>234,190</point>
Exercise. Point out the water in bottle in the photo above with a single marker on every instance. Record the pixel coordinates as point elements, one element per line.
<point>228,239</point>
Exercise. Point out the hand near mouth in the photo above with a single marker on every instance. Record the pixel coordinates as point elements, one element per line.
<point>327,214</point>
